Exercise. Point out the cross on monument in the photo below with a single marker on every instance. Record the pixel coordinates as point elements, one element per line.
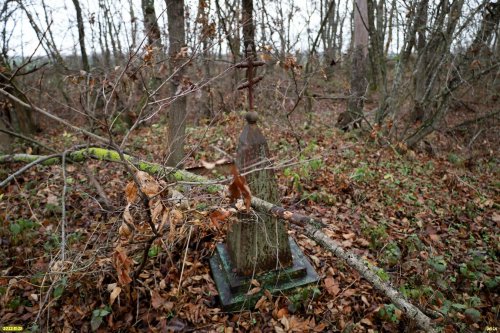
<point>250,64</point>
<point>258,247</point>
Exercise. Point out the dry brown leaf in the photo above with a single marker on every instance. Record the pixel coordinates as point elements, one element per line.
<point>124,231</point>
<point>149,185</point>
<point>208,165</point>
<point>320,327</point>
<point>366,321</point>
<point>253,291</point>
<point>176,216</point>
<point>315,260</point>
<point>255,283</point>
<point>219,216</point>
<point>240,206</point>
<point>163,69</point>
<point>164,219</point>
<point>286,324</point>
<point>349,292</point>
<point>332,286</point>
<point>212,165</point>
<point>362,242</point>
<point>261,303</point>
<point>110,287</point>
<point>123,265</point>
<point>156,211</point>
<point>127,216</point>
<point>278,329</point>
<point>349,235</point>
<point>347,243</point>
<point>432,233</point>
<point>156,299</point>
<point>52,200</point>
<point>281,313</point>
<point>114,294</point>
<point>131,192</point>
<point>239,188</point>
<point>168,306</point>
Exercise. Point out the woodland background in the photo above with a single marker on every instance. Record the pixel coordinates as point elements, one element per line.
<point>381,117</point>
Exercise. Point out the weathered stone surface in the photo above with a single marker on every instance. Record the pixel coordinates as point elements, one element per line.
<point>258,242</point>
<point>299,279</point>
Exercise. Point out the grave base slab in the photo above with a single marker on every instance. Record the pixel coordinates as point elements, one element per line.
<point>298,281</point>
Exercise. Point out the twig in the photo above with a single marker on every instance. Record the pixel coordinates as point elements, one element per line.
<point>231,158</point>
<point>476,120</point>
<point>184,261</point>
<point>53,117</point>
<point>31,57</point>
<point>25,168</point>
<point>145,256</point>
<point>25,138</point>
<point>100,191</point>
<point>63,209</point>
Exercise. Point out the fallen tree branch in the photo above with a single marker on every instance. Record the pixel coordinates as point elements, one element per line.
<point>37,160</point>
<point>370,274</point>
<point>53,117</point>
<point>28,139</point>
<point>311,226</point>
<point>476,120</point>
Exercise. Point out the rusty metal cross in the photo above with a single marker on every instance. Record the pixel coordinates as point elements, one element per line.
<point>250,65</point>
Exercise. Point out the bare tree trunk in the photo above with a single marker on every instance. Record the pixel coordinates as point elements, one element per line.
<point>230,28</point>
<point>420,80</point>
<point>437,99</point>
<point>49,36</point>
<point>393,100</point>
<point>133,28</point>
<point>329,35</point>
<point>377,57</point>
<point>176,126</point>
<point>233,39</point>
<point>341,31</point>
<point>390,25</point>
<point>204,35</point>
<point>359,81</point>
<point>49,47</point>
<point>263,37</point>
<point>103,43</point>
<point>490,23</point>
<point>81,35</point>
<point>103,34</point>
<point>153,34</point>
<point>5,139</point>
<point>151,27</point>
<point>248,26</point>
<point>107,23</point>
<point>14,115</point>
<point>376,17</point>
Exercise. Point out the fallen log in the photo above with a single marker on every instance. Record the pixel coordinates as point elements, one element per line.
<point>311,226</point>
<point>368,272</point>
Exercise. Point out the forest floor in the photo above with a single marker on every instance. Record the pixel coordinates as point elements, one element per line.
<point>431,222</point>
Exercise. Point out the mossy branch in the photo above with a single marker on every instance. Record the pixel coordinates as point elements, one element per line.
<point>110,155</point>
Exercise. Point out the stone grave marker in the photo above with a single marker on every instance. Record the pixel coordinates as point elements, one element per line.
<point>258,246</point>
